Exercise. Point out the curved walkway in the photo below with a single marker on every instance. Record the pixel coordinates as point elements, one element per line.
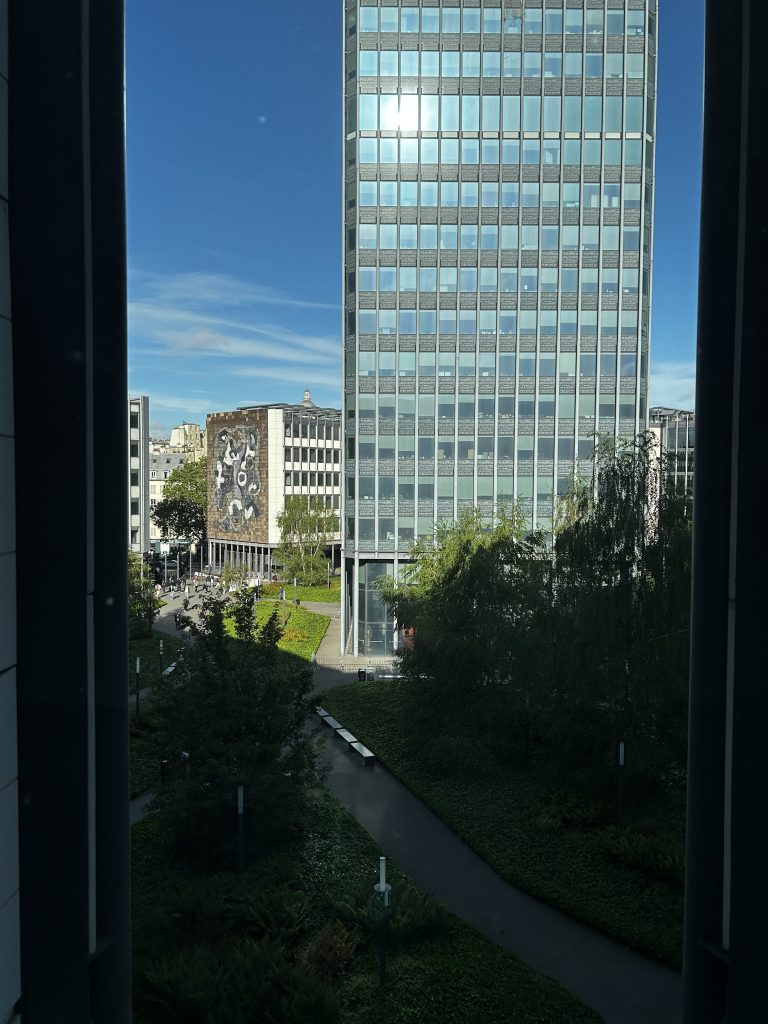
<point>623,986</point>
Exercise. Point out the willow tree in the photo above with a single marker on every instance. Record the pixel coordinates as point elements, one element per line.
<point>618,626</point>
<point>471,598</point>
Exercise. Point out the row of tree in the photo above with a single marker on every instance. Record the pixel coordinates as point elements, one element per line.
<point>572,643</point>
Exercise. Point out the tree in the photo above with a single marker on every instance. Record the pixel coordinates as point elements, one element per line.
<point>143,605</point>
<point>469,599</point>
<point>237,710</point>
<point>183,512</point>
<point>307,527</point>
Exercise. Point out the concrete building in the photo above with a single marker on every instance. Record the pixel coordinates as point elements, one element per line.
<point>138,475</point>
<point>676,431</point>
<point>498,198</point>
<point>186,444</point>
<point>257,457</point>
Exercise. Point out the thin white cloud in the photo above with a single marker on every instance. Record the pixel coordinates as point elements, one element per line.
<point>205,288</point>
<point>673,384</point>
<point>310,377</point>
<point>182,403</point>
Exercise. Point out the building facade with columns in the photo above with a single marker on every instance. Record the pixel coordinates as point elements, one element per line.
<point>257,457</point>
<point>498,236</point>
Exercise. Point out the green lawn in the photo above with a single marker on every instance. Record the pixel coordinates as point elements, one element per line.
<point>439,971</point>
<point>304,630</point>
<point>321,593</point>
<point>583,866</point>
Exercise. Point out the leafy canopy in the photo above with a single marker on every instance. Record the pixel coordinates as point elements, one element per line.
<point>143,605</point>
<point>184,509</point>
<point>306,527</point>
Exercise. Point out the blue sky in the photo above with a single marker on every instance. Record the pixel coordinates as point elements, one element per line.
<point>234,203</point>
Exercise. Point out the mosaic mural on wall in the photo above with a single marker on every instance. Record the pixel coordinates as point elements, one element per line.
<point>237,483</point>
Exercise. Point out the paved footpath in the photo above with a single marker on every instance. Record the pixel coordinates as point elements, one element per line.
<point>623,986</point>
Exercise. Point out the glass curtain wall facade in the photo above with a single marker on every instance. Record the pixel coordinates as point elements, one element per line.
<point>498,198</point>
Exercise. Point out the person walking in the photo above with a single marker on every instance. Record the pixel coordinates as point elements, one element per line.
<point>186,592</point>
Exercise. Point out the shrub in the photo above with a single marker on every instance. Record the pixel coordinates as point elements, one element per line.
<point>658,857</point>
<point>413,915</point>
<point>331,950</point>
<point>570,810</point>
<point>221,984</point>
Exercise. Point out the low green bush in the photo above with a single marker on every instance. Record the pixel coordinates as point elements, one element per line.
<point>658,857</point>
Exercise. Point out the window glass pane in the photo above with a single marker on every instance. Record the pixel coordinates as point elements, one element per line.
<point>368,113</point>
<point>511,64</point>
<point>409,63</point>
<point>513,22</point>
<point>553,22</point>
<point>634,114</point>
<point>553,65</point>
<point>389,19</point>
<point>532,65</point>
<point>470,151</point>
<point>492,19</point>
<point>489,151</point>
<point>369,19</point>
<point>471,21</point>
<point>614,64</point>
<point>551,113</point>
<point>470,113</point>
<point>468,279</point>
<point>510,151</point>
<point>594,24</point>
<point>449,151</point>
<point>409,19</point>
<point>430,20</point>
<point>369,63</point>
<point>388,63</point>
<point>635,65</point>
<point>408,236</point>
<point>511,114</point>
<point>510,191</point>
<point>491,64</point>
<point>430,63</point>
<point>470,64</point>
<point>574,22</point>
<point>573,65</point>
<point>532,21</point>
<point>451,20</point>
<point>451,62</point>
<point>615,23</point>
<point>572,114</point>
<point>531,114</point>
<point>593,113</point>
<point>429,113</point>
<point>490,193</point>
<point>551,151</point>
<point>593,65</point>
<point>490,113</point>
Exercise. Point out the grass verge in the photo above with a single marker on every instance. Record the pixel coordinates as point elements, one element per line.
<point>304,630</point>
<point>321,594</point>
<point>147,648</point>
<point>439,970</point>
<point>514,819</point>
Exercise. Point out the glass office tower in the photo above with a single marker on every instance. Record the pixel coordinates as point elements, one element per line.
<point>498,201</point>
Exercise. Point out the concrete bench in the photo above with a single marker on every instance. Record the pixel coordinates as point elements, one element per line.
<point>364,753</point>
<point>346,735</point>
<point>332,723</point>
<point>322,713</point>
<point>170,670</point>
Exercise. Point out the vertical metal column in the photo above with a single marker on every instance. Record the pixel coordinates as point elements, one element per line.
<point>726,878</point>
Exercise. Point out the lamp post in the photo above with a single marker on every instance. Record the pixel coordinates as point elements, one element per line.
<point>381,896</point>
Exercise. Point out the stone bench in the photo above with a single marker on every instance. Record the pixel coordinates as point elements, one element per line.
<point>364,753</point>
<point>346,735</point>
<point>332,723</point>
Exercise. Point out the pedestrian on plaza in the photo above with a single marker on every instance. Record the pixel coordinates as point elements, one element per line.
<point>185,604</point>
<point>314,660</point>
<point>186,592</point>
